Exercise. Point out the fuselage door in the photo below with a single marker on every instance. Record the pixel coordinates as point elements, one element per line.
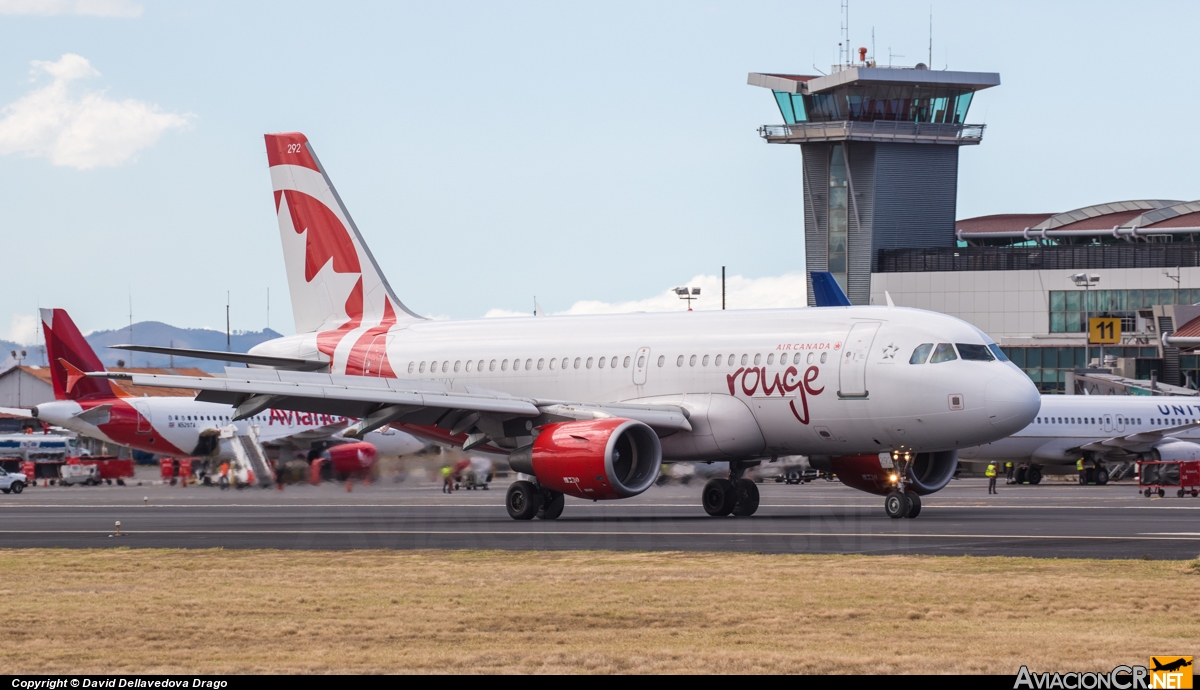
<point>1108,423</point>
<point>641,364</point>
<point>143,422</point>
<point>852,373</point>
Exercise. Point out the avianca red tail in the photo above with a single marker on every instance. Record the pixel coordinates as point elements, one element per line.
<point>65,345</point>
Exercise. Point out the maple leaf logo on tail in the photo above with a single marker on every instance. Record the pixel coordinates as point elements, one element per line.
<point>336,287</point>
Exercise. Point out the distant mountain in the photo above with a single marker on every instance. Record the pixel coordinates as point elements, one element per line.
<point>159,334</point>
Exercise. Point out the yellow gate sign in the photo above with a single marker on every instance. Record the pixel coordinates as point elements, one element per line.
<point>1104,330</point>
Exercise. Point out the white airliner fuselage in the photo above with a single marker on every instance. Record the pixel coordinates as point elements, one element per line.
<point>828,381</point>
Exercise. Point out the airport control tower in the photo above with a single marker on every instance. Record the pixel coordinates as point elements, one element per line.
<point>880,153</point>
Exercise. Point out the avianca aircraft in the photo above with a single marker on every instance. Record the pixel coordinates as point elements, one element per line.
<point>592,405</point>
<point>180,425</point>
<point>1099,429</point>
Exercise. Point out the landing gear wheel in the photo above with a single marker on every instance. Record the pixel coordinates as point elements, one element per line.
<point>745,498</point>
<point>1035,475</point>
<point>523,500</point>
<point>1022,475</point>
<point>718,497</point>
<point>915,509</point>
<point>1101,476</point>
<point>897,505</point>
<point>552,505</point>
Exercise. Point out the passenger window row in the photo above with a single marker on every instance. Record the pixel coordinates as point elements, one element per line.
<point>1089,420</point>
<point>208,418</point>
<point>733,360</point>
<point>945,352</point>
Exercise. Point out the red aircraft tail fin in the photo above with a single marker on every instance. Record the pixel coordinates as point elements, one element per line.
<point>66,347</point>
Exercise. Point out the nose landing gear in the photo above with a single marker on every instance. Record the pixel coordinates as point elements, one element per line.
<point>899,504</point>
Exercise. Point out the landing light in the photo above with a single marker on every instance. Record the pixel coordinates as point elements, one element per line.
<point>894,478</point>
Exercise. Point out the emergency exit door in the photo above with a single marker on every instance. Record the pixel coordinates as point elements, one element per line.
<point>852,372</point>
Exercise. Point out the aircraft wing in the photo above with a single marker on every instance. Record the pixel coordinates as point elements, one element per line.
<point>292,363</point>
<point>1139,442</point>
<point>16,411</point>
<point>483,415</point>
<point>308,436</point>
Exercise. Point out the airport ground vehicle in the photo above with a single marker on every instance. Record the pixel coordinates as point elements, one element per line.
<point>11,482</point>
<point>72,474</point>
<point>592,405</point>
<point>1181,478</point>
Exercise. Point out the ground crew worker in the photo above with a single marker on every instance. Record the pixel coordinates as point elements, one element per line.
<point>223,480</point>
<point>991,475</point>
<point>1008,472</point>
<point>1082,472</point>
<point>447,480</point>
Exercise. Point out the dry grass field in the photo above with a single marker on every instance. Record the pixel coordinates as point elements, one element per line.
<point>162,611</point>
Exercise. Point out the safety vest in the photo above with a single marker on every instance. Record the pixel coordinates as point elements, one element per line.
<point>991,471</point>
<point>1008,465</point>
<point>1079,464</point>
<point>445,471</point>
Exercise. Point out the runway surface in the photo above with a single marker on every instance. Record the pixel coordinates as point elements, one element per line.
<point>1057,520</point>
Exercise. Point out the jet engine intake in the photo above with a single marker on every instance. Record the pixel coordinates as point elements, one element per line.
<point>597,459</point>
<point>1176,451</point>
<point>926,473</point>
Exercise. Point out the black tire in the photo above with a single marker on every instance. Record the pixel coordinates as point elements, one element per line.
<point>1179,493</point>
<point>1021,475</point>
<point>745,501</point>
<point>1161,493</point>
<point>552,505</point>
<point>1035,476</point>
<point>523,500</point>
<point>1146,493</point>
<point>1102,476</point>
<point>896,505</point>
<point>914,509</point>
<point>718,497</point>
<point>17,487</point>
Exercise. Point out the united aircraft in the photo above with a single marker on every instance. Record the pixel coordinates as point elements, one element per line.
<point>591,406</point>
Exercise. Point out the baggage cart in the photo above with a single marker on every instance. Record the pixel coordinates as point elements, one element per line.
<point>1181,477</point>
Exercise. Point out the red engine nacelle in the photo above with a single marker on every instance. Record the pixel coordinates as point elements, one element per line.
<point>927,473</point>
<point>596,459</point>
<point>350,459</point>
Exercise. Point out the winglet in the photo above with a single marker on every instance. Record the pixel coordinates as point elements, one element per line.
<point>826,291</point>
<point>74,374</point>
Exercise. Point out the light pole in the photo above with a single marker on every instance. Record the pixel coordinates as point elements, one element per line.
<point>1086,281</point>
<point>688,294</point>
<point>18,355</point>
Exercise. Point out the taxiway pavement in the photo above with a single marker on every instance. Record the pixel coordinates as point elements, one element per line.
<point>1050,520</point>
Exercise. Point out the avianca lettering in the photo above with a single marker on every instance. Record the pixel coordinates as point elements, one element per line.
<point>302,418</point>
<point>790,382</point>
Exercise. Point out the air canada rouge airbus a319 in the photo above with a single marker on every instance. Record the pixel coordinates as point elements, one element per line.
<point>592,405</point>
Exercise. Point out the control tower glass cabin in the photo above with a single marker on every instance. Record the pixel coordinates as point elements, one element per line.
<point>880,156</point>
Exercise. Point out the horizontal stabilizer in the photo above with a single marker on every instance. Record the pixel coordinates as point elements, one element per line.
<point>826,291</point>
<point>290,363</point>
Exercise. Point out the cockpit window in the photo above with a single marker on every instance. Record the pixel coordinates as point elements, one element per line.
<point>920,354</point>
<point>998,352</point>
<point>944,352</point>
<point>975,353</point>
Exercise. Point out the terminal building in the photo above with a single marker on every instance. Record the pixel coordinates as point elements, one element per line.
<point>879,148</point>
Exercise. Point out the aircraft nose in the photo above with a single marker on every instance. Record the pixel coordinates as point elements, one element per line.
<point>1012,402</point>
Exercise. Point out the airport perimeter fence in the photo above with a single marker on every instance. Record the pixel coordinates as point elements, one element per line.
<point>1068,258</point>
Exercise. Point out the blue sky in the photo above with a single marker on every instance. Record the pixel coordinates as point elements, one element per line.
<point>494,151</point>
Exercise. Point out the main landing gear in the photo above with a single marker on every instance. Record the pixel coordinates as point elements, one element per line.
<point>526,500</point>
<point>734,496</point>
<point>899,504</point>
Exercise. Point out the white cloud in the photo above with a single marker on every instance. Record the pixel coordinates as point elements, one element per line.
<point>80,130</point>
<point>23,329</point>
<point>773,292</point>
<point>93,8</point>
